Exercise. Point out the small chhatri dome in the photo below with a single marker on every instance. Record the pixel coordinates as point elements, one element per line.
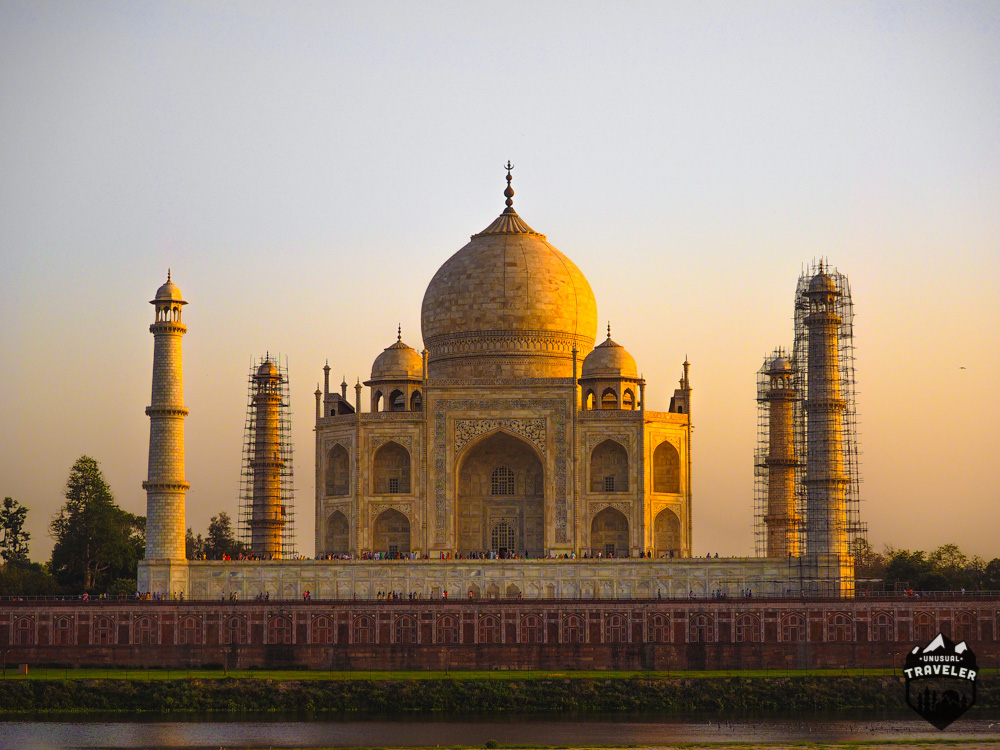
<point>267,370</point>
<point>508,304</point>
<point>778,366</point>
<point>609,360</point>
<point>822,282</point>
<point>398,361</point>
<point>168,292</point>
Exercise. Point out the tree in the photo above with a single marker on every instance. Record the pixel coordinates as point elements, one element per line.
<point>194,546</point>
<point>221,540</point>
<point>96,541</point>
<point>992,575</point>
<point>906,568</point>
<point>869,565</point>
<point>13,537</point>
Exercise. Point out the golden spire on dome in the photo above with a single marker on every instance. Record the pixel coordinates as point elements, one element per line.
<point>399,333</point>
<point>509,192</point>
<point>509,222</point>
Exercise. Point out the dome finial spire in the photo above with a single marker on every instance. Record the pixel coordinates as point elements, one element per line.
<point>399,333</point>
<point>509,192</point>
<point>609,329</point>
<point>168,274</point>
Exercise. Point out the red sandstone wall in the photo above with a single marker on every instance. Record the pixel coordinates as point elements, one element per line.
<point>528,634</point>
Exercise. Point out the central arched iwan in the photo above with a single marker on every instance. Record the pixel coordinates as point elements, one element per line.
<point>501,486</point>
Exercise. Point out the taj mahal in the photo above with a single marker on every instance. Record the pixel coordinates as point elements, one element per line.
<point>514,456</point>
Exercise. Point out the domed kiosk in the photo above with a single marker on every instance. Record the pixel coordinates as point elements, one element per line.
<point>485,445</point>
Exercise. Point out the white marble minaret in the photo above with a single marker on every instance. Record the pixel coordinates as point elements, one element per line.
<point>165,486</point>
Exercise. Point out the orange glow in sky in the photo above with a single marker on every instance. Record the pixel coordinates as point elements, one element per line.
<point>305,170</point>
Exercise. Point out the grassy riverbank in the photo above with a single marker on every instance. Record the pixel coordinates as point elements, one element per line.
<point>102,673</point>
<point>463,694</point>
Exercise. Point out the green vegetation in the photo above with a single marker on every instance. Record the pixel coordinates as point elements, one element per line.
<point>291,675</point>
<point>97,543</point>
<point>945,569</point>
<point>463,694</point>
<point>221,541</point>
<point>13,537</point>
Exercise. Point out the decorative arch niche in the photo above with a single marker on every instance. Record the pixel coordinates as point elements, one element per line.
<point>609,467</point>
<point>609,534</point>
<point>667,534</point>
<point>501,487</point>
<point>666,469</point>
<point>338,471</point>
<point>397,401</point>
<point>391,533</point>
<point>609,399</point>
<point>391,470</point>
<point>338,534</point>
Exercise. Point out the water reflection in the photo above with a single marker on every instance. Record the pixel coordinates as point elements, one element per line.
<point>267,730</point>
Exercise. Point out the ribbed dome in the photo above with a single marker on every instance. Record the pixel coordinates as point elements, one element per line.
<point>398,361</point>
<point>267,369</point>
<point>508,304</point>
<point>609,360</point>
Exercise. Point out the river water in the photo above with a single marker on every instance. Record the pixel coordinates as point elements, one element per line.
<point>276,731</point>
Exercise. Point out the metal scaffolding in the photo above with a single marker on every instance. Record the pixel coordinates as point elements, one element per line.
<point>286,471</point>
<point>763,463</point>
<point>854,528</point>
<point>845,390</point>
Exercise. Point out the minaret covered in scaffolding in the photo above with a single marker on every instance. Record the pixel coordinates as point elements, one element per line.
<point>776,463</point>
<point>824,523</point>
<point>266,497</point>
<point>826,480</point>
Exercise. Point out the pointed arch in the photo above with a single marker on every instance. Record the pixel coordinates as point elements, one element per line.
<point>363,629</point>
<point>234,630</point>
<point>338,533</point>
<point>338,471</point>
<point>609,534</point>
<point>23,632</point>
<point>145,631</point>
<point>609,467</point>
<point>500,480</point>
<point>397,401</point>
<point>609,399</point>
<point>63,631</point>
<point>279,629</point>
<point>405,630</point>
<point>391,469</point>
<point>189,631</point>
<point>667,534</point>
<point>323,630</point>
<point>391,533</point>
<point>666,468</point>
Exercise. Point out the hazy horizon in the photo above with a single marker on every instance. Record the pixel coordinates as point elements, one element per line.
<point>305,169</point>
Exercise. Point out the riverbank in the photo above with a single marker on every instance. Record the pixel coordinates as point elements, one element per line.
<point>450,696</point>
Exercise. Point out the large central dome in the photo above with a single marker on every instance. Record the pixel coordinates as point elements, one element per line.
<point>508,304</point>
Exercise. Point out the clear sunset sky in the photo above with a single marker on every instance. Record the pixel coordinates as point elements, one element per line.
<point>304,168</point>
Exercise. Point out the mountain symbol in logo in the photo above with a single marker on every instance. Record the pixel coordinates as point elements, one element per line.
<point>941,680</point>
